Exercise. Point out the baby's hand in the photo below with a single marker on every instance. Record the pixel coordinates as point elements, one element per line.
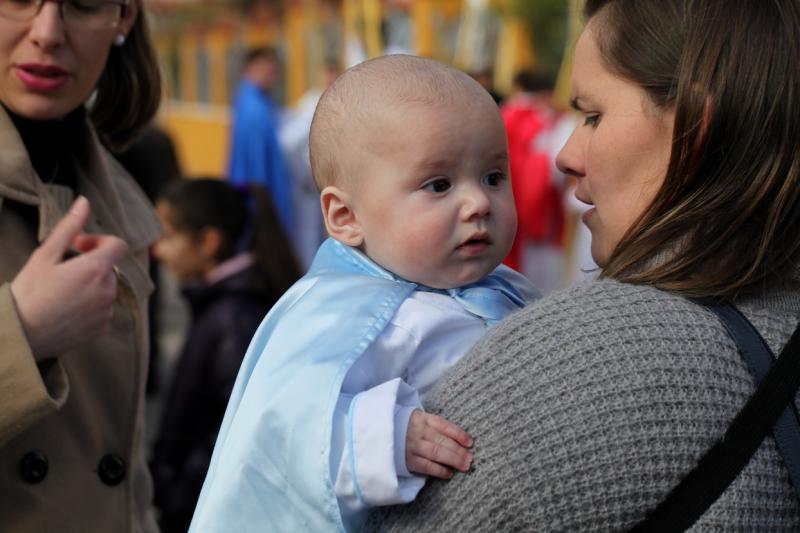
<point>433,444</point>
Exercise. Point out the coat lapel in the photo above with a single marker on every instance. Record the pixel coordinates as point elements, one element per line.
<point>101,179</point>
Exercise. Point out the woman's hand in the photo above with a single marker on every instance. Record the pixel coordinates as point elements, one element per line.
<point>65,303</point>
<point>435,445</point>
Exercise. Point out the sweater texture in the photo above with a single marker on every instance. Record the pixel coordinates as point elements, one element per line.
<point>589,406</point>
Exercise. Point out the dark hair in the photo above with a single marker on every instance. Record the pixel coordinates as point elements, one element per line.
<point>197,204</point>
<point>260,52</point>
<point>129,90</point>
<point>725,219</point>
<point>533,81</point>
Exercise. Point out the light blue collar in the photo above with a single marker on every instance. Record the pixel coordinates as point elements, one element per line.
<point>491,298</point>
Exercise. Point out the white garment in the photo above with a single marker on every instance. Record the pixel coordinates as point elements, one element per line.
<point>308,229</point>
<point>428,335</point>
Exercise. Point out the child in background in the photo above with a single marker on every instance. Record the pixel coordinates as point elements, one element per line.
<point>232,267</point>
<point>325,419</point>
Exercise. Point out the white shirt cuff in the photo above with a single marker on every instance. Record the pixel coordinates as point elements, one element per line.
<point>402,415</point>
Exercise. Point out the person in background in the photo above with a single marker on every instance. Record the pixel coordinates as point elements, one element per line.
<point>591,406</point>
<point>308,230</point>
<point>233,262</point>
<point>75,233</point>
<point>255,154</point>
<point>538,250</point>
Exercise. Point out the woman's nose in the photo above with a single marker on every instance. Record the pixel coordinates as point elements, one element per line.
<point>47,27</point>
<point>570,160</point>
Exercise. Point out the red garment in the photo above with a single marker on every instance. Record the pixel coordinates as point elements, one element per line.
<point>540,212</point>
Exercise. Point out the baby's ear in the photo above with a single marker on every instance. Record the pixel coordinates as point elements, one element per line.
<point>340,218</point>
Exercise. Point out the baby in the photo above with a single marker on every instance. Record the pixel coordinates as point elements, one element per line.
<point>325,418</point>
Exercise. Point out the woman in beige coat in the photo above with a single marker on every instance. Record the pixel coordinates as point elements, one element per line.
<point>74,235</point>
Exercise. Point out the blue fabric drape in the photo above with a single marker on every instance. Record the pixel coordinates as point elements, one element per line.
<point>271,468</point>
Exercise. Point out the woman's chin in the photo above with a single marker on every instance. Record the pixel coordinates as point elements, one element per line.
<point>40,107</point>
<point>599,254</point>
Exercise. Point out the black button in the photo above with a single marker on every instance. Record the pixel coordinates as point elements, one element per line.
<point>111,469</point>
<point>34,466</point>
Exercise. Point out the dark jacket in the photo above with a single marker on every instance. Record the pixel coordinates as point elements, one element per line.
<point>225,316</point>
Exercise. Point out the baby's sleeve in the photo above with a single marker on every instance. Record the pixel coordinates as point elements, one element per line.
<point>426,337</point>
<point>372,469</point>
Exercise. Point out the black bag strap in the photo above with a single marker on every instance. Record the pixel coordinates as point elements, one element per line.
<point>777,384</point>
<point>759,359</point>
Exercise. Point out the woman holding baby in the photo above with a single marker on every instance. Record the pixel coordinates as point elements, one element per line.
<point>590,408</point>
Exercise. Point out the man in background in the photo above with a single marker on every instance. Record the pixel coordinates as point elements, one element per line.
<point>255,152</point>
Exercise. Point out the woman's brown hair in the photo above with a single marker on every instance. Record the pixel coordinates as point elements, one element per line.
<point>129,90</point>
<point>727,217</point>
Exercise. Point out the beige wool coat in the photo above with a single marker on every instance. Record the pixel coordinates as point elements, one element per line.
<point>71,428</point>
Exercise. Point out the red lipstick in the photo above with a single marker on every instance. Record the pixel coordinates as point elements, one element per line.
<point>41,78</point>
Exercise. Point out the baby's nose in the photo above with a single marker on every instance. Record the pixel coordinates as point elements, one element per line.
<point>476,204</point>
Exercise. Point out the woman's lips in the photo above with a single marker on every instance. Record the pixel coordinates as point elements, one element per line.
<point>42,78</point>
<point>587,215</point>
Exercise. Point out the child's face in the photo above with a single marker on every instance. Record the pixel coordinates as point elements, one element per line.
<point>433,195</point>
<point>179,251</point>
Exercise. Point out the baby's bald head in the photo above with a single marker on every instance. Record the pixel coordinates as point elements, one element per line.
<point>350,105</point>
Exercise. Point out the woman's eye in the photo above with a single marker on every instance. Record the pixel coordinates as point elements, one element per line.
<point>437,185</point>
<point>494,179</point>
<point>591,120</point>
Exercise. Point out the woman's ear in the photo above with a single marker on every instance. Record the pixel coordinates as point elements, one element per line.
<point>340,218</point>
<point>127,21</point>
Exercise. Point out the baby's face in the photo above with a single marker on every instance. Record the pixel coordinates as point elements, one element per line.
<point>434,196</point>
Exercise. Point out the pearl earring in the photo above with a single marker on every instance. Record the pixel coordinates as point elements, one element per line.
<point>119,40</point>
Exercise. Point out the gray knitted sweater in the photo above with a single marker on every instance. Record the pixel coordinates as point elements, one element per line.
<point>589,406</point>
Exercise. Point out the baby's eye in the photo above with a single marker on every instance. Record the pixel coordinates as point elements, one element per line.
<point>437,185</point>
<point>591,120</point>
<point>494,179</point>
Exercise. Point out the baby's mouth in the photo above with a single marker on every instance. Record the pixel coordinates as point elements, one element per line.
<point>479,240</point>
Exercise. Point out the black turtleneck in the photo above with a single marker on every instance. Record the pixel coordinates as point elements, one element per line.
<point>49,143</point>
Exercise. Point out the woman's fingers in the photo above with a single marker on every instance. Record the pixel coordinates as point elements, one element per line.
<point>71,225</point>
<point>108,249</point>
<point>63,303</point>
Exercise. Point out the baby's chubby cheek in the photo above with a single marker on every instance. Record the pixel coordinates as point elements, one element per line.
<point>414,254</point>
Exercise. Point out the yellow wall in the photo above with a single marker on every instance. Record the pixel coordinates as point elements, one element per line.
<point>200,133</point>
